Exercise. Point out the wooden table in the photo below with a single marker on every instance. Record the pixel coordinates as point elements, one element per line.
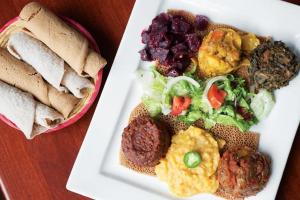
<point>39,169</point>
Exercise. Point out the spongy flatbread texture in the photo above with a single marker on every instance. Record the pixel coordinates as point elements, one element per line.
<point>144,170</point>
<point>231,135</point>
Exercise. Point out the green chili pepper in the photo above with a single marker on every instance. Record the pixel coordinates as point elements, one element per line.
<point>192,159</point>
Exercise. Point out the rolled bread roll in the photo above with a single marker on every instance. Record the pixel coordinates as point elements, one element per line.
<point>39,56</point>
<point>47,63</point>
<point>17,106</point>
<point>46,116</point>
<point>65,41</point>
<point>31,117</point>
<point>76,84</point>
<point>24,77</point>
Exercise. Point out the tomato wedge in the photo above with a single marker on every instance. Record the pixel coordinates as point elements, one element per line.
<point>180,104</point>
<point>216,96</point>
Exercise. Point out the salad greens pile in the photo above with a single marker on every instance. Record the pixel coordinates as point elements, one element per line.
<point>238,107</point>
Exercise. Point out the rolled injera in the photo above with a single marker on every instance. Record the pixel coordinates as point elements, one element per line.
<point>24,77</point>
<point>30,116</point>
<point>65,41</point>
<point>51,67</point>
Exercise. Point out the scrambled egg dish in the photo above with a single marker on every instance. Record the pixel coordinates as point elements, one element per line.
<point>184,181</point>
<point>220,52</point>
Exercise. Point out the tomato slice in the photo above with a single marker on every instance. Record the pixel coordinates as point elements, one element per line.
<point>215,96</point>
<point>180,104</point>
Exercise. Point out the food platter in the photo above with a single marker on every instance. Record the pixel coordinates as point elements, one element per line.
<point>97,172</point>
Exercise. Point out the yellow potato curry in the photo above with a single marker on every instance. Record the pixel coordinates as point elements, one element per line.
<point>221,51</point>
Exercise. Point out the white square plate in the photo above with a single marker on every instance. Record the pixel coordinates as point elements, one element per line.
<point>97,172</point>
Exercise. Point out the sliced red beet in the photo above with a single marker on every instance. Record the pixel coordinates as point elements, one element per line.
<point>166,41</point>
<point>180,25</point>
<point>145,55</point>
<point>172,41</point>
<point>201,22</point>
<point>155,39</point>
<point>160,22</point>
<point>145,37</point>
<point>179,50</point>
<point>193,42</point>
<point>159,54</point>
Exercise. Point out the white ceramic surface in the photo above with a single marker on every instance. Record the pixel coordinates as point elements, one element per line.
<point>97,173</point>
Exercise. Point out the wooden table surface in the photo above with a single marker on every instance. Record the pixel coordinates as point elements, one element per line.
<point>39,169</point>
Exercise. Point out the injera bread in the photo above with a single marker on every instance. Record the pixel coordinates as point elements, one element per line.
<point>51,67</point>
<point>24,77</point>
<point>32,51</point>
<point>30,116</point>
<point>17,26</point>
<point>65,41</point>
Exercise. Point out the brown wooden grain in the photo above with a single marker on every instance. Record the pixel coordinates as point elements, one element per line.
<point>39,169</point>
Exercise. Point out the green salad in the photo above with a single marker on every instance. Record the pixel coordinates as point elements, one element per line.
<point>221,99</point>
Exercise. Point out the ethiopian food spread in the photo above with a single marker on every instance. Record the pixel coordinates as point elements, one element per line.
<point>47,71</point>
<point>208,85</point>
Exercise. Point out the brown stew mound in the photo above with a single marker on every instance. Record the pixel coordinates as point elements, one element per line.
<point>243,172</point>
<point>145,141</point>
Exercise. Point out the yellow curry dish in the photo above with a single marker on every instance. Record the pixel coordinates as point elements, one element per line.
<point>183,180</point>
<point>249,42</point>
<point>221,51</point>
